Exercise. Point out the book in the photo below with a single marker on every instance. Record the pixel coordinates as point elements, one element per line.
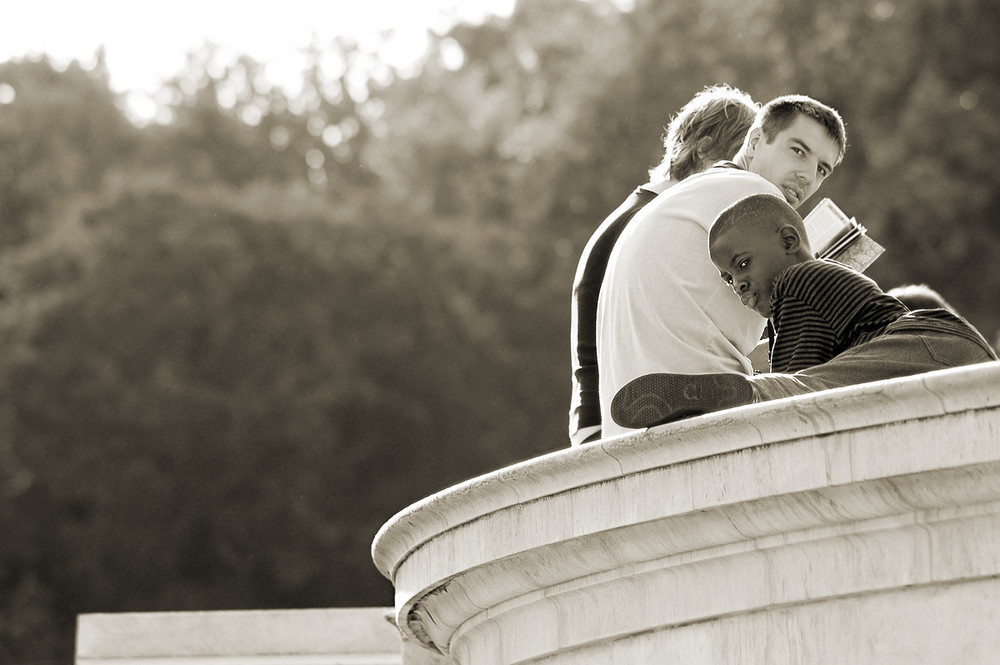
<point>834,235</point>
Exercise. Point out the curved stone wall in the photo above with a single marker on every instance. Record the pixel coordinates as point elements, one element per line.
<point>854,525</point>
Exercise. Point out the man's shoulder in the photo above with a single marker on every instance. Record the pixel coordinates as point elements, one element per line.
<point>699,198</point>
<point>704,195</point>
<point>727,164</point>
<point>726,175</point>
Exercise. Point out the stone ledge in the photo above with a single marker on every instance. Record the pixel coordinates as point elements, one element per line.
<point>539,548</point>
<point>342,635</point>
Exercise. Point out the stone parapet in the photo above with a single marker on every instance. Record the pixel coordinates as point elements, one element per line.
<point>340,636</point>
<point>854,525</point>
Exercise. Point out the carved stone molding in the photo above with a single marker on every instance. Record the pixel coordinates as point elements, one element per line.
<point>854,525</point>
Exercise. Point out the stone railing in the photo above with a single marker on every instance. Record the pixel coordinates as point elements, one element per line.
<point>859,525</point>
<point>339,636</point>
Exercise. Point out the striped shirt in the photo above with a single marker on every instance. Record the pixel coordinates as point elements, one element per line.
<point>821,308</point>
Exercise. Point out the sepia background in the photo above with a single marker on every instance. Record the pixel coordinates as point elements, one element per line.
<point>241,332</point>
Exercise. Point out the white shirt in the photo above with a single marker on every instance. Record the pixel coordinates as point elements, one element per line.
<point>663,306</point>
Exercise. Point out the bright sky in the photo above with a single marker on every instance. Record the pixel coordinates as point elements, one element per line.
<point>146,42</point>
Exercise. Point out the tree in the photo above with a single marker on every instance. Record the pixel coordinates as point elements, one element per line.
<point>239,340</point>
<point>60,132</point>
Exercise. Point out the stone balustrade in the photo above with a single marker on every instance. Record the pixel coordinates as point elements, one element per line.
<point>859,525</point>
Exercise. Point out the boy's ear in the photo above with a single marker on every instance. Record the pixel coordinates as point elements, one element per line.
<point>790,238</point>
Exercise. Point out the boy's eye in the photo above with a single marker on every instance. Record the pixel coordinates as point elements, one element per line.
<point>742,265</point>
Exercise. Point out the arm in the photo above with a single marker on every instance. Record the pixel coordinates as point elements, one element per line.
<point>804,336</point>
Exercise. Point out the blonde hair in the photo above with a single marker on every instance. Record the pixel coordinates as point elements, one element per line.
<point>720,113</point>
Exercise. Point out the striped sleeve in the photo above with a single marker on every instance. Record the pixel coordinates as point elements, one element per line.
<point>822,308</point>
<point>803,337</point>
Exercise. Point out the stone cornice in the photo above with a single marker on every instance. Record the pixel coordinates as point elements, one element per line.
<point>863,484</point>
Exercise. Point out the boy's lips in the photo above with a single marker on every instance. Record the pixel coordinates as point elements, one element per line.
<point>749,300</point>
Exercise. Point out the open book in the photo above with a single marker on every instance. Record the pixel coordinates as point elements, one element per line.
<point>832,235</point>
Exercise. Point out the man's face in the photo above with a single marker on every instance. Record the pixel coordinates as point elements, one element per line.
<point>797,160</point>
<point>749,260</point>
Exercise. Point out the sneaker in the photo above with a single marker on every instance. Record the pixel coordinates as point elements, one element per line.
<point>654,399</point>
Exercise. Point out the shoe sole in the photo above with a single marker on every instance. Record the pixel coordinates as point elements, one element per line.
<point>654,399</point>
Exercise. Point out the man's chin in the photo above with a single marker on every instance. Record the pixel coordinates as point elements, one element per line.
<point>794,198</point>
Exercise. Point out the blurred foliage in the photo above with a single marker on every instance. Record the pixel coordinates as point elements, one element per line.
<point>239,339</point>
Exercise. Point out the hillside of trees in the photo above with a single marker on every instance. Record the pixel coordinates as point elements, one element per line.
<point>238,339</point>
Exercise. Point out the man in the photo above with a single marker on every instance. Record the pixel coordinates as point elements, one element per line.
<point>709,128</point>
<point>662,307</point>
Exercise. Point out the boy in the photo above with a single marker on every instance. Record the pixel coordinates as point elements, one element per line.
<point>832,325</point>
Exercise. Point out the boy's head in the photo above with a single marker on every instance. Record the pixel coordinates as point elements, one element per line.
<point>752,241</point>
<point>709,128</point>
<point>795,143</point>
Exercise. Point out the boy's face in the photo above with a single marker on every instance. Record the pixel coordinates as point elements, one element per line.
<point>797,160</point>
<point>749,259</point>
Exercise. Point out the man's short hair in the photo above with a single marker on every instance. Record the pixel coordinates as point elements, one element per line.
<point>723,113</point>
<point>759,211</point>
<point>782,111</point>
